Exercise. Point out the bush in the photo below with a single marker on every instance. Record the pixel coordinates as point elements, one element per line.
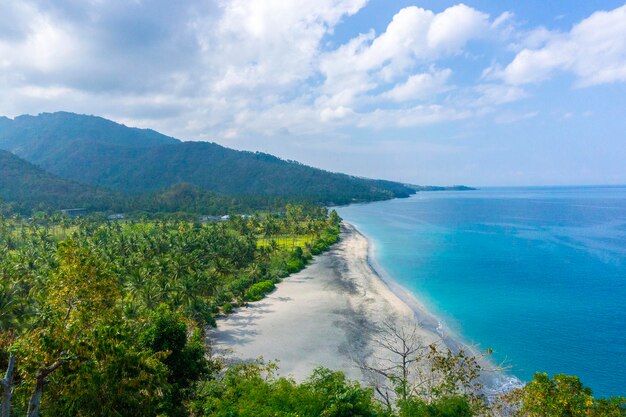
<point>295,265</point>
<point>561,395</point>
<point>258,290</point>
<point>227,308</point>
<point>252,390</point>
<point>443,407</point>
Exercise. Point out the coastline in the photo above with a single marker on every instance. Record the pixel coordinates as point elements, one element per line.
<point>494,380</point>
<point>329,314</point>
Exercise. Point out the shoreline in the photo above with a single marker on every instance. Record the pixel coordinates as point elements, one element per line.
<point>423,316</point>
<point>330,314</point>
<point>494,381</point>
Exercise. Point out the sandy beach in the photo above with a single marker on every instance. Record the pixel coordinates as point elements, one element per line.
<point>326,315</point>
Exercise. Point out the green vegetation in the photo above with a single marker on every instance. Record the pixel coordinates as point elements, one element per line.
<point>29,188</point>
<point>76,161</point>
<point>98,152</point>
<point>254,391</point>
<point>108,318</point>
<point>34,137</point>
<point>257,291</point>
<point>560,396</point>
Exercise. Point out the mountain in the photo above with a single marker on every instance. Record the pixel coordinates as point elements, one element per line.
<point>99,152</point>
<point>29,187</point>
<point>5,123</point>
<point>215,168</point>
<point>43,137</point>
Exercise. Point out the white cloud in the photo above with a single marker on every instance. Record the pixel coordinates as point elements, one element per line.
<point>594,51</point>
<point>490,95</point>
<point>269,42</point>
<point>237,68</point>
<point>415,36</point>
<point>397,66</point>
<point>420,86</point>
<point>337,113</point>
<point>503,19</point>
<point>451,29</point>
<point>413,116</point>
<point>34,43</point>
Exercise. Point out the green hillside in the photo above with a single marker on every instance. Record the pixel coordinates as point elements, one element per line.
<point>29,187</point>
<point>212,167</point>
<point>26,188</point>
<point>99,152</point>
<point>42,137</point>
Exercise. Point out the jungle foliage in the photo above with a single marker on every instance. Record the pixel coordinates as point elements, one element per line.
<point>109,318</point>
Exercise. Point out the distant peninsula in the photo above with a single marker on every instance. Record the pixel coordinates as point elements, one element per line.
<point>439,188</point>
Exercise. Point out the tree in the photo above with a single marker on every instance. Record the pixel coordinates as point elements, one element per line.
<point>559,396</point>
<point>81,292</point>
<point>409,372</point>
<point>116,376</point>
<point>110,322</point>
<point>403,349</point>
<point>456,406</point>
<point>184,356</point>
<point>333,218</point>
<point>7,387</point>
<point>331,394</point>
<point>253,390</point>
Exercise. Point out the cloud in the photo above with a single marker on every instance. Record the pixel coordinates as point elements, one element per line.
<point>490,95</point>
<point>420,86</point>
<point>594,51</point>
<point>336,113</point>
<point>197,69</point>
<point>412,116</point>
<point>269,42</point>
<point>30,41</point>
<point>415,36</point>
<point>247,68</point>
<point>451,29</point>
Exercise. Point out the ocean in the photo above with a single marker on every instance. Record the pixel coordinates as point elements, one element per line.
<point>536,274</point>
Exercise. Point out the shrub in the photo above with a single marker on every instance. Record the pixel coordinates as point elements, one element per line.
<point>258,290</point>
<point>442,407</point>
<point>295,265</point>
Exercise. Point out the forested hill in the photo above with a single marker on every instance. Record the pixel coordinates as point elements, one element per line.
<point>42,137</point>
<point>215,168</point>
<point>99,152</point>
<point>28,187</point>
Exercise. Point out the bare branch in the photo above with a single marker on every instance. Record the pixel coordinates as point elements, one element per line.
<point>7,387</point>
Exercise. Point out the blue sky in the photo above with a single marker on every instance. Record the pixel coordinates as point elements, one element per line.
<point>430,92</point>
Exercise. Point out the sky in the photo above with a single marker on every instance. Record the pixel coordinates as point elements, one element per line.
<point>486,92</point>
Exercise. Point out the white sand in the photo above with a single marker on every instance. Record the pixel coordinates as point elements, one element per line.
<point>325,315</point>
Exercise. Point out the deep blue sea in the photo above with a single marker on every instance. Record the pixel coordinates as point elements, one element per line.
<point>537,274</point>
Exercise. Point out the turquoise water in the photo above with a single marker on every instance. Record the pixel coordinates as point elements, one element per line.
<point>537,274</point>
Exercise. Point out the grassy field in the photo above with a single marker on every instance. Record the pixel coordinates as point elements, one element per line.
<point>286,241</point>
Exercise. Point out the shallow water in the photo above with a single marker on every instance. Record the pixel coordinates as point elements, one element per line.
<point>537,274</point>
